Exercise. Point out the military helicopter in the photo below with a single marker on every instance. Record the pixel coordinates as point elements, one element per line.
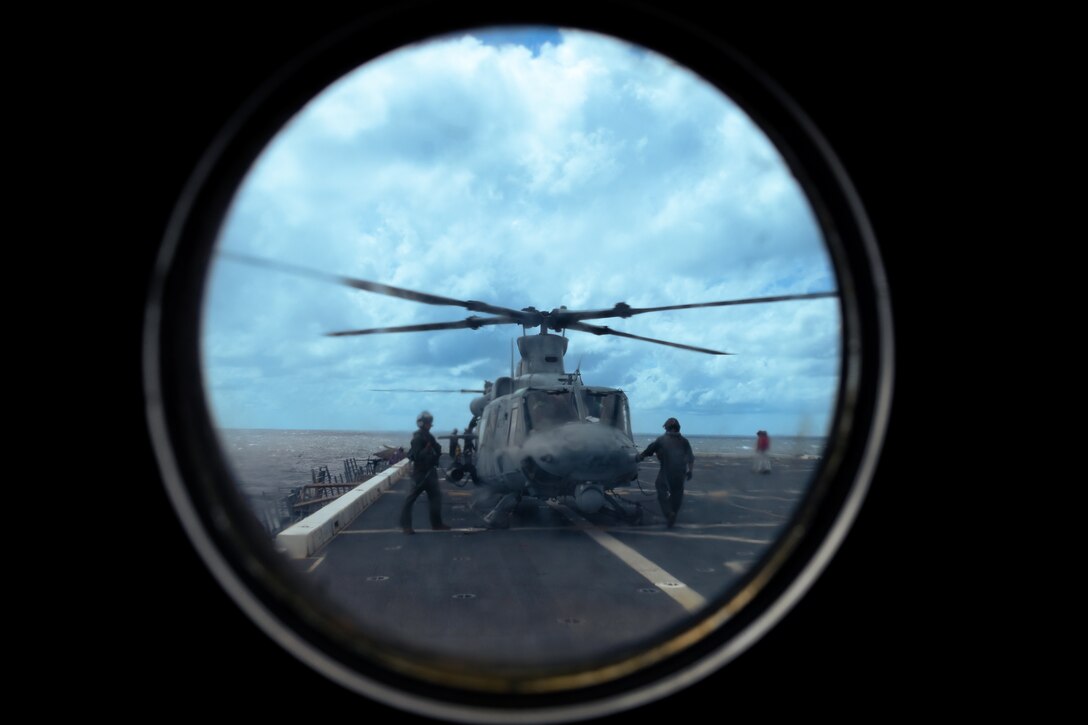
<point>539,432</point>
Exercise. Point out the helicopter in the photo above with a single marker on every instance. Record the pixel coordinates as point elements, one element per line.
<point>539,432</point>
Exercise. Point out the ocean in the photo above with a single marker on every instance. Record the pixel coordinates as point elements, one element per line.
<point>275,461</point>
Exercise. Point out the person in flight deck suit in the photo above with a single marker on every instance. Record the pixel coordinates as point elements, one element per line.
<point>424,454</point>
<point>677,463</point>
<point>455,449</point>
<point>469,449</point>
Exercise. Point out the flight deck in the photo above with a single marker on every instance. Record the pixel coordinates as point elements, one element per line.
<point>558,585</point>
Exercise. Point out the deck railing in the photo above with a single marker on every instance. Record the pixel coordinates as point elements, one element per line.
<point>278,511</point>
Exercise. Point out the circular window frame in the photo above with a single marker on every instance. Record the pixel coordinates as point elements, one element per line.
<point>182,435</point>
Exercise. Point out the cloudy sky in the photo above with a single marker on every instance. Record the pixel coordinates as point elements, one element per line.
<point>521,169</point>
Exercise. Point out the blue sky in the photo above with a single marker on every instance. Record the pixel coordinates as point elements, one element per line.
<point>540,168</point>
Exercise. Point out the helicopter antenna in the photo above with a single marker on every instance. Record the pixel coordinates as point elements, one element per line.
<point>579,392</point>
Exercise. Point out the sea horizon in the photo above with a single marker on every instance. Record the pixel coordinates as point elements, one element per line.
<point>270,460</point>
<point>408,433</point>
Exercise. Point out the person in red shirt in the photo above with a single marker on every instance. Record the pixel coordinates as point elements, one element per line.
<point>763,458</point>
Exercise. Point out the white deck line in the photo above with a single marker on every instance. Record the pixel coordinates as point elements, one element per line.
<point>687,597</point>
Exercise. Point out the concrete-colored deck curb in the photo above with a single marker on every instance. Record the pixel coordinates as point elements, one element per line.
<point>307,536</point>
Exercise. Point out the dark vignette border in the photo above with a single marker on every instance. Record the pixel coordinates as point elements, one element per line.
<point>183,438</point>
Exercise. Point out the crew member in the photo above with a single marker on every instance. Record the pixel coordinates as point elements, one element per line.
<point>424,454</point>
<point>677,463</point>
<point>469,449</point>
<point>455,450</point>
<point>470,436</point>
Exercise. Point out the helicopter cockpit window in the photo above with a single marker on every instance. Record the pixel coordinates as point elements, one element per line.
<point>548,409</point>
<point>593,406</point>
<point>517,428</point>
<point>607,408</point>
<point>614,410</point>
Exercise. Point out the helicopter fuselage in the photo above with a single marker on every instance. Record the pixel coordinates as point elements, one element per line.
<point>565,439</point>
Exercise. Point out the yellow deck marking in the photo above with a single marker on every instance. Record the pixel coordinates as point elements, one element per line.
<point>315,565</point>
<point>687,597</point>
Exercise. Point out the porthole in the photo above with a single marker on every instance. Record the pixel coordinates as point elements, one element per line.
<point>543,171</point>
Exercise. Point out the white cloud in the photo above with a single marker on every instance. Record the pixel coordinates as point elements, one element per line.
<point>583,175</point>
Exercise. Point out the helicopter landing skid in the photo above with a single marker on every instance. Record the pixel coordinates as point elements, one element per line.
<point>630,513</point>
<point>502,512</point>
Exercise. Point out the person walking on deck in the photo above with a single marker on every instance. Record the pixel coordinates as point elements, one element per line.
<point>677,462</point>
<point>424,454</point>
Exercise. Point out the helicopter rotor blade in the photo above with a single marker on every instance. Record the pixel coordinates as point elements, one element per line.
<point>471,323</point>
<point>602,330</point>
<point>557,319</point>
<point>564,317</point>
<point>523,317</point>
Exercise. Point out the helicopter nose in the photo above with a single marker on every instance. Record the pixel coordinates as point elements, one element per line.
<point>583,451</point>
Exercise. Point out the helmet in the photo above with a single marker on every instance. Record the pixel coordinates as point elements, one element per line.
<point>672,424</point>
<point>424,417</point>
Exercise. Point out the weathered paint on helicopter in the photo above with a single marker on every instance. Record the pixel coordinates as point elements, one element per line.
<point>535,439</point>
<point>544,434</point>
